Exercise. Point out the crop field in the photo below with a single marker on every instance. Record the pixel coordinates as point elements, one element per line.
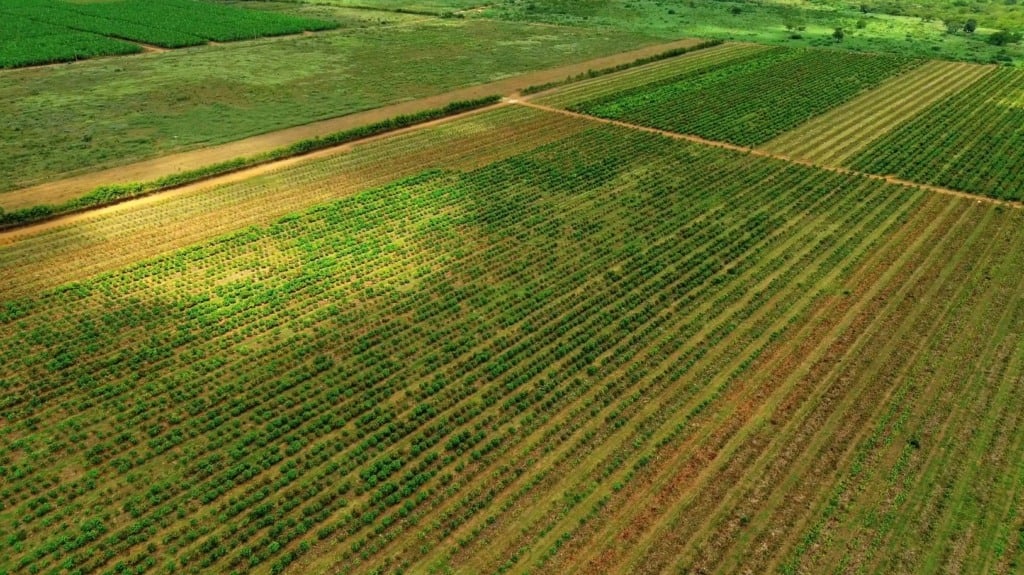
<point>535,343</point>
<point>969,142</point>
<point>834,137</point>
<point>415,6</point>
<point>24,42</point>
<point>115,237</point>
<point>750,101</point>
<point>679,69</point>
<point>165,23</point>
<point>596,304</point>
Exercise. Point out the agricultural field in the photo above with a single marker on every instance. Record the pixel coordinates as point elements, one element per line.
<point>686,67</point>
<point>435,7</point>
<point>916,28</point>
<point>24,42</point>
<point>688,307</point>
<point>747,101</point>
<point>164,23</point>
<point>536,343</point>
<point>969,142</point>
<point>834,137</point>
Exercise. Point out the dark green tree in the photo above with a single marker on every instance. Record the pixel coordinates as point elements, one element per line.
<point>1004,37</point>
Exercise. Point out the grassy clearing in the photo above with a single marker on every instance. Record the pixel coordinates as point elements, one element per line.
<point>105,113</point>
<point>834,137</point>
<point>559,346</point>
<point>343,15</point>
<point>434,7</point>
<point>969,142</point>
<point>902,27</point>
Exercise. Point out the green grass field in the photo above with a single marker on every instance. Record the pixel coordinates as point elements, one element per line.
<point>111,112</point>
<point>797,23</point>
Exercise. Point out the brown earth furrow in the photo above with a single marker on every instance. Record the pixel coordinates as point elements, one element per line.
<point>819,396</point>
<point>697,464</point>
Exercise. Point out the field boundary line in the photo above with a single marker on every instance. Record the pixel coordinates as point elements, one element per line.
<point>766,154</point>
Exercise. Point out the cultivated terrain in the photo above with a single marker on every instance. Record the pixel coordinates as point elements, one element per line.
<point>525,287</point>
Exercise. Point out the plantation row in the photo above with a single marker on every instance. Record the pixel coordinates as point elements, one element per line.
<point>969,142</point>
<point>551,346</point>
<point>111,194</point>
<point>836,136</point>
<point>44,31</point>
<point>749,101</point>
<point>939,123</point>
<point>772,488</point>
<point>665,374</point>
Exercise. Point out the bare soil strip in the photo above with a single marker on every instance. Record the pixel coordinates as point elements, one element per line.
<point>767,154</point>
<point>63,190</point>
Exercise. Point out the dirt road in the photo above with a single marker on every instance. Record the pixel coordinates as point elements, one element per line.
<point>63,190</point>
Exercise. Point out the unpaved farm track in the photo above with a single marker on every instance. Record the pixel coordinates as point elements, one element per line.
<point>13,235</point>
<point>768,154</point>
<point>63,190</point>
